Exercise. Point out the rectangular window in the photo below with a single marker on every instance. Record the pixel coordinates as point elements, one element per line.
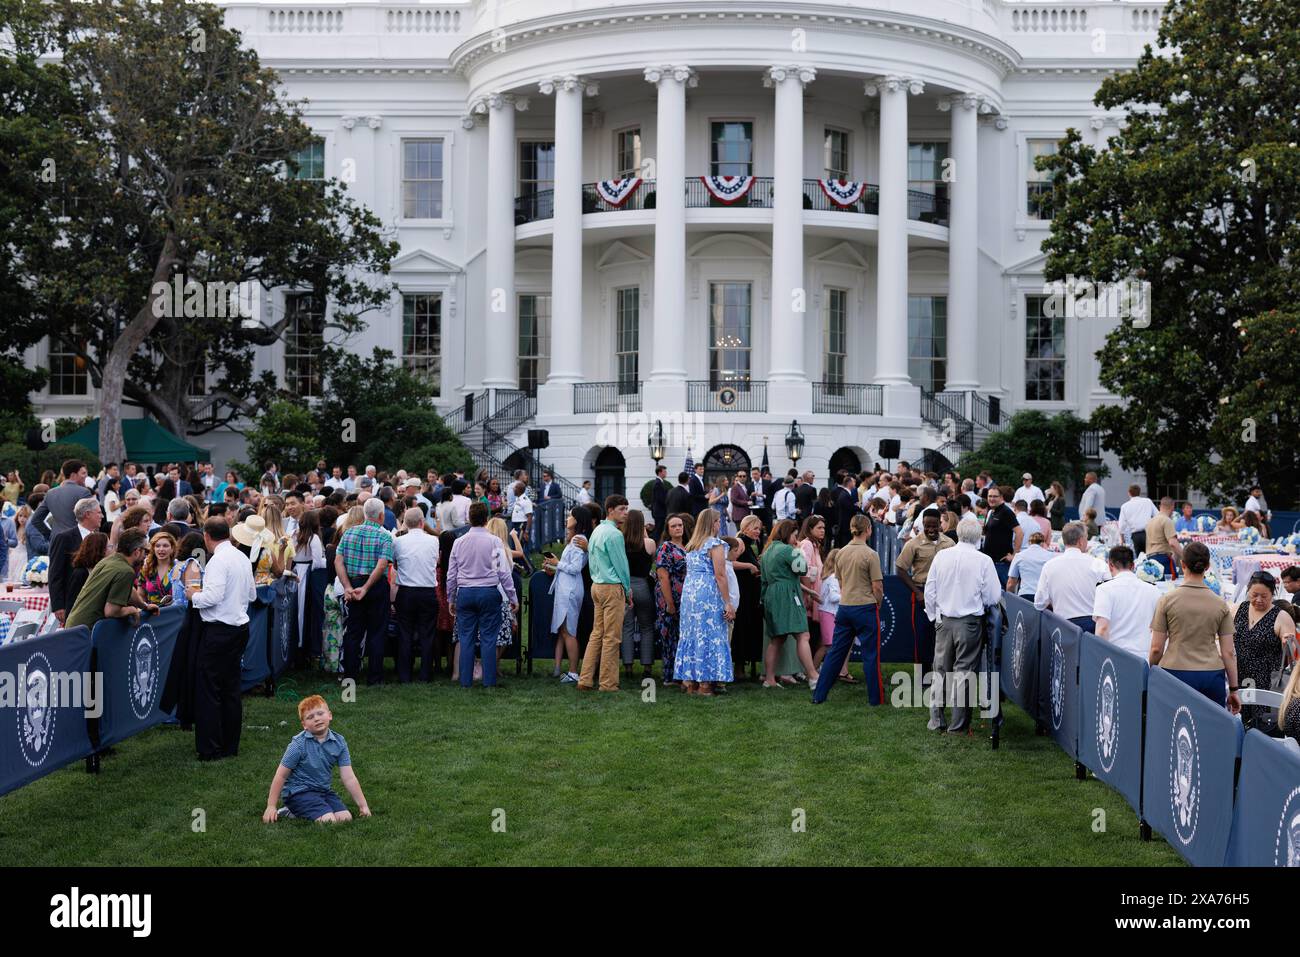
<point>836,340</point>
<point>422,337</point>
<point>627,153</point>
<point>68,367</point>
<point>729,334</point>
<point>627,332</point>
<point>927,341</point>
<point>304,339</point>
<point>534,341</point>
<point>731,149</point>
<point>422,179</point>
<point>925,168</point>
<point>537,179</point>
<point>1038,182</point>
<point>311,161</point>
<point>836,151</point>
<point>1044,353</point>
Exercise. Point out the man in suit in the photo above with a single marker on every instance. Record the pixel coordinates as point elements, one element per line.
<point>550,487</point>
<point>679,497</point>
<point>178,519</point>
<point>659,500</point>
<point>805,495</point>
<point>63,546</point>
<point>846,506</point>
<point>699,497</point>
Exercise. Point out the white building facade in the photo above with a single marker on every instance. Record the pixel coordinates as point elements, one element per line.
<point>836,219</point>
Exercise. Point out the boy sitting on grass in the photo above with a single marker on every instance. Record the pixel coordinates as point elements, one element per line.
<point>305,771</point>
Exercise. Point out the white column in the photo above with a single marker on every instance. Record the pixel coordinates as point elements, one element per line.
<point>891,248</point>
<point>666,388</point>
<point>963,245</point>
<point>566,244</point>
<point>501,369</point>
<point>788,389</point>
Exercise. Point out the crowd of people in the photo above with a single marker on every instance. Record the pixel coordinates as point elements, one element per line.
<point>744,578</point>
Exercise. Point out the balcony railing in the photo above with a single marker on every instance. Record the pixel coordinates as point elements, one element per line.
<point>921,206</point>
<point>589,397</point>
<point>726,395</point>
<point>848,398</point>
<point>1090,444</point>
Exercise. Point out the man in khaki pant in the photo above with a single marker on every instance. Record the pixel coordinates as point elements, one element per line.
<point>611,593</point>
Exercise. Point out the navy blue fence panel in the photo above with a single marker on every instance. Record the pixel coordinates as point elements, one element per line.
<point>283,633</point>
<point>1019,675</point>
<point>1112,682</point>
<point>1058,680</point>
<point>46,728</point>
<point>898,631</point>
<point>549,516</point>
<point>255,666</point>
<point>134,662</point>
<point>1189,764</point>
<point>1266,821</point>
<point>541,644</point>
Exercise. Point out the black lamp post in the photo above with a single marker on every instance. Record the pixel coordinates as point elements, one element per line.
<point>657,443</point>
<point>794,442</point>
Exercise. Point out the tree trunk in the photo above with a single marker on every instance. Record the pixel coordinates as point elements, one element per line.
<point>112,445</point>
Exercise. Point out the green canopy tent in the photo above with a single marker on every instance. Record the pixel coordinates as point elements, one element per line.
<point>147,442</point>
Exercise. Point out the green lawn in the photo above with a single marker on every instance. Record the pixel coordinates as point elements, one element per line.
<point>597,779</point>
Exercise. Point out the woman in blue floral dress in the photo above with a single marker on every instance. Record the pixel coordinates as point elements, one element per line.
<point>703,651</point>
<point>670,575</point>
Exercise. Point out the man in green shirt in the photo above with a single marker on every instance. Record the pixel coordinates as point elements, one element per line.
<point>109,592</point>
<point>611,593</point>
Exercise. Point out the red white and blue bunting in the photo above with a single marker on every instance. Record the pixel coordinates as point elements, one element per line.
<point>727,189</point>
<point>615,192</point>
<point>842,192</point>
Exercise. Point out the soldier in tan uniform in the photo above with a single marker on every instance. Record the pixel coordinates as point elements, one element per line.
<point>913,566</point>
<point>1162,539</point>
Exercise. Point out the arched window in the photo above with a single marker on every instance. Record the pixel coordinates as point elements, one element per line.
<point>846,459</point>
<point>610,469</point>
<point>724,460</point>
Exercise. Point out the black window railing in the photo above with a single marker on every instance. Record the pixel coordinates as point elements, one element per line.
<point>534,206</point>
<point>726,395</point>
<point>758,197</point>
<point>589,397</point>
<point>1090,444</point>
<point>815,199</point>
<point>643,197</point>
<point>927,207</point>
<point>848,398</point>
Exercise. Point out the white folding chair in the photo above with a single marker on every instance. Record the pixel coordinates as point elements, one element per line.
<point>11,606</point>
<point>1258,696</point>
<point>24,631</point>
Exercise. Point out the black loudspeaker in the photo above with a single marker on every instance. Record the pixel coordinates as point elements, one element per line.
<point>889,448</point>
<point>539,438</point>
<point>995,410</point>
<point>469,407</point>
<point>36,440</point>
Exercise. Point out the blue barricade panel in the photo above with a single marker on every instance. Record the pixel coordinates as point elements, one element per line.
<point>284,624</point>
<point>1019,673</point>
<point>541,643</point>
<point>1111,684</point>
<point>1189,761</point>
<point>254,666</point>
<point>42,682</point>
<point>899,618</point>
<point>134,661</point>
<point>1058,680</point>
<point>1266,820</point>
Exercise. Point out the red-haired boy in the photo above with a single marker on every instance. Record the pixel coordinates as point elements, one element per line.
<point>306,771</point>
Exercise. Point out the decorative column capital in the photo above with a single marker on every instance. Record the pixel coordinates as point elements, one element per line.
<point>1097,122</point>
<point>894,84</point>
<point>997,121</point>
<point>568,83</point>
<point>499,101</point>
<point>679,73</point>
<point>963,101</point>
<point>349,121</point>
<point>374,122</point>
<point>779,74</point>
<point>470,120</point>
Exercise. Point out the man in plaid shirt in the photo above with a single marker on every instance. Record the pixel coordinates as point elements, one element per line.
<point>361,563</point>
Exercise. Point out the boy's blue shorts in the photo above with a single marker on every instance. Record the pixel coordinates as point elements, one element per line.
<point>310,805</point>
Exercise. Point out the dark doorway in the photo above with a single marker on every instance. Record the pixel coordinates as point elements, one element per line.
<point>724,460</point>
<point>845,459</point>
<point>610,467</point>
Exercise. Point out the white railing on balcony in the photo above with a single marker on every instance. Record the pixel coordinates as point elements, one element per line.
<point>1146,20</point>
<point>305,20</point>
<point>1049,20</point>
<point>422,20</point>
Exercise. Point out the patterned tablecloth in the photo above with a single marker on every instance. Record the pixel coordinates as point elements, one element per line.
<point>37,599</point>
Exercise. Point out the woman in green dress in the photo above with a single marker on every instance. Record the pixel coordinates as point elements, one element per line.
<point>784,610</point>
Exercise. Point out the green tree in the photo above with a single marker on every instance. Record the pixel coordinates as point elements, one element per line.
<point>287,434</point>
<point>171,166</point>
<point>1200,196</point>
<point>1047,447</point>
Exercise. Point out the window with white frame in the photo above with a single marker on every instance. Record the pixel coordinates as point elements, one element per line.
<point>927,341</point>
<point>627,153</point>
<point>731,145</point>
<point>1038,182</point>
<point>1044,353</point>
<point>422,178</point>
<point>303,342</point>
<point>730,325</point>
<point>925,168</point>
<point>311,161</point>
<point>422,337</point>
<point>537,177</point>
<point>836,154</point>
<point>627,332</point>
<point>68,365</point>
<point>534,341</point>
<point>835,340</point>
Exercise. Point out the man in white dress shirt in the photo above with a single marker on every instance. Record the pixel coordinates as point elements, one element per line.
<point>222,599</point>
<point>1133,517</point>
<point>1125,605</point>
<point>1028,491</point>
<point>1094,497</point>
<point>962,582</point>
<point>415,595</point>
<point>1068,583</point>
